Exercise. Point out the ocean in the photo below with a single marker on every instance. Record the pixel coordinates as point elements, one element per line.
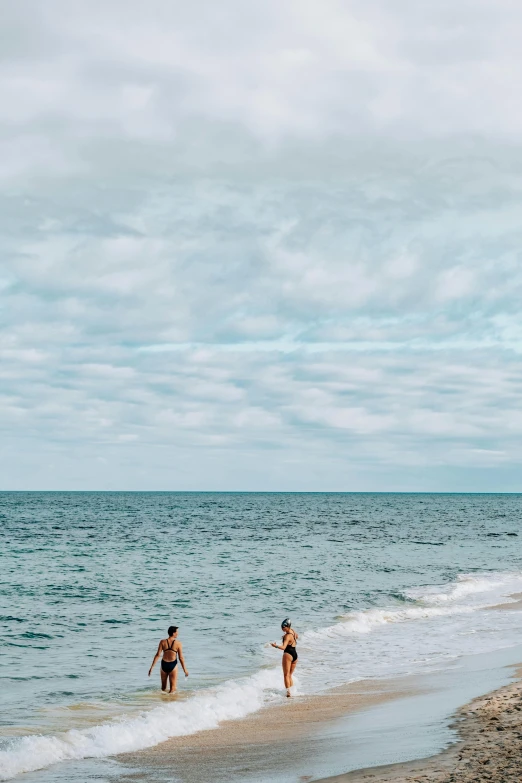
<point>377,585</point>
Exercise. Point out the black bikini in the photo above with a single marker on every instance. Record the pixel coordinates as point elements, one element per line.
<point>290,649</point>
<point>169,666</point>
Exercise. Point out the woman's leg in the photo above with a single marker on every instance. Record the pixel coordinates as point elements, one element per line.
<point>164,678</point>
<point>287,663</point>
<point>292,670</point>
<point>173,679</point>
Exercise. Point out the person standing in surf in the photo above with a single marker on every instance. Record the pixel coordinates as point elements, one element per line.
<point>172,651</point>
<point>290,638</point>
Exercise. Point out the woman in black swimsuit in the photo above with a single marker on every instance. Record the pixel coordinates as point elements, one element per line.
<point>289,653</point>
<point>171,650</point>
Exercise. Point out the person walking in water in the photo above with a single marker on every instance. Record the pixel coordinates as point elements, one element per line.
<point>172,651</point>
<point>290,638</point>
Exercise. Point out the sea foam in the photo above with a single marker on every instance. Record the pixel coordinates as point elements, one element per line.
<point>206,710</point>
<point>236,699</point>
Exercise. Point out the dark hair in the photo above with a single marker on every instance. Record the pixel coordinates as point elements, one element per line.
<point>172,629</point>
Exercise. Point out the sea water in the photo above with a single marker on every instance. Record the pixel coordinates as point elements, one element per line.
<point>377,585</point>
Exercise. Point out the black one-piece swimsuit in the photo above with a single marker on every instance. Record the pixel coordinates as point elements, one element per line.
<point>290,649</point>
<point>169,666</point>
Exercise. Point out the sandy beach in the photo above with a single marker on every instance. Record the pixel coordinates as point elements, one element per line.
<point>487,736</point>
<point>392,640</point>
<point>484,740</point>
<point>279,735</point>
<point>488,746</point>
<point>260,383</point>
<point>490,731</point>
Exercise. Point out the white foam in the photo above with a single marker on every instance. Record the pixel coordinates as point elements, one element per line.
<point>475,589</point>
<point>437,625</point>
<point>465,595</point>
<point>206,710</point>
<point>368,620</point>
<point>432,629</point>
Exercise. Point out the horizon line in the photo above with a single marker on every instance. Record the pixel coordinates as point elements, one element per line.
<point>261,492</point>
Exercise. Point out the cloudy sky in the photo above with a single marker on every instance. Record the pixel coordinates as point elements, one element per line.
<point>268,245</point>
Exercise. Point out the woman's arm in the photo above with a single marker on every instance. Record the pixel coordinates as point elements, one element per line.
<point>156,657</point>
<point>182,660</point>
<point>285,642</point>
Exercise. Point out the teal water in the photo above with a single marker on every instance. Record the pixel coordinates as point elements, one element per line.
<point>378,585</point>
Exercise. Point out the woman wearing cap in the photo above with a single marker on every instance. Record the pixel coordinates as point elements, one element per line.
<point>290,638</point>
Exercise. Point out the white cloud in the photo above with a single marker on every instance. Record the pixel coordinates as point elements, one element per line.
<point>260,243</point>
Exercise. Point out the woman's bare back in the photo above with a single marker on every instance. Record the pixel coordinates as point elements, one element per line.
<point>170,649</point>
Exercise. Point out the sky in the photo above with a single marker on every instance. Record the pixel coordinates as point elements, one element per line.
<point>261,246</point>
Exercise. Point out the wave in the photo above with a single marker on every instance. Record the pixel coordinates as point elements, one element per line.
<point>231,700</point>
<point>485,589</point>
<point>237,699</point>
<point>367,620</point>
<point>424,603</point>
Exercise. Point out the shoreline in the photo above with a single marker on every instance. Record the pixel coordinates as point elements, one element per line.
<point>280,732</point>
<point>488,748</point>
<point>404,725</point>
<point>411,728</point>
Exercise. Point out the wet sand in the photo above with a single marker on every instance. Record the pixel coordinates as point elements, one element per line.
<point>282,734</point>
<point>280,742</point>
<point>489,749</point>
<point>280,738</point>
<point>514,605</point>
<point>489,746</point>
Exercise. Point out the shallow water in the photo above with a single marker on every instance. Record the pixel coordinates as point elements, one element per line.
<point>378,585</point>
